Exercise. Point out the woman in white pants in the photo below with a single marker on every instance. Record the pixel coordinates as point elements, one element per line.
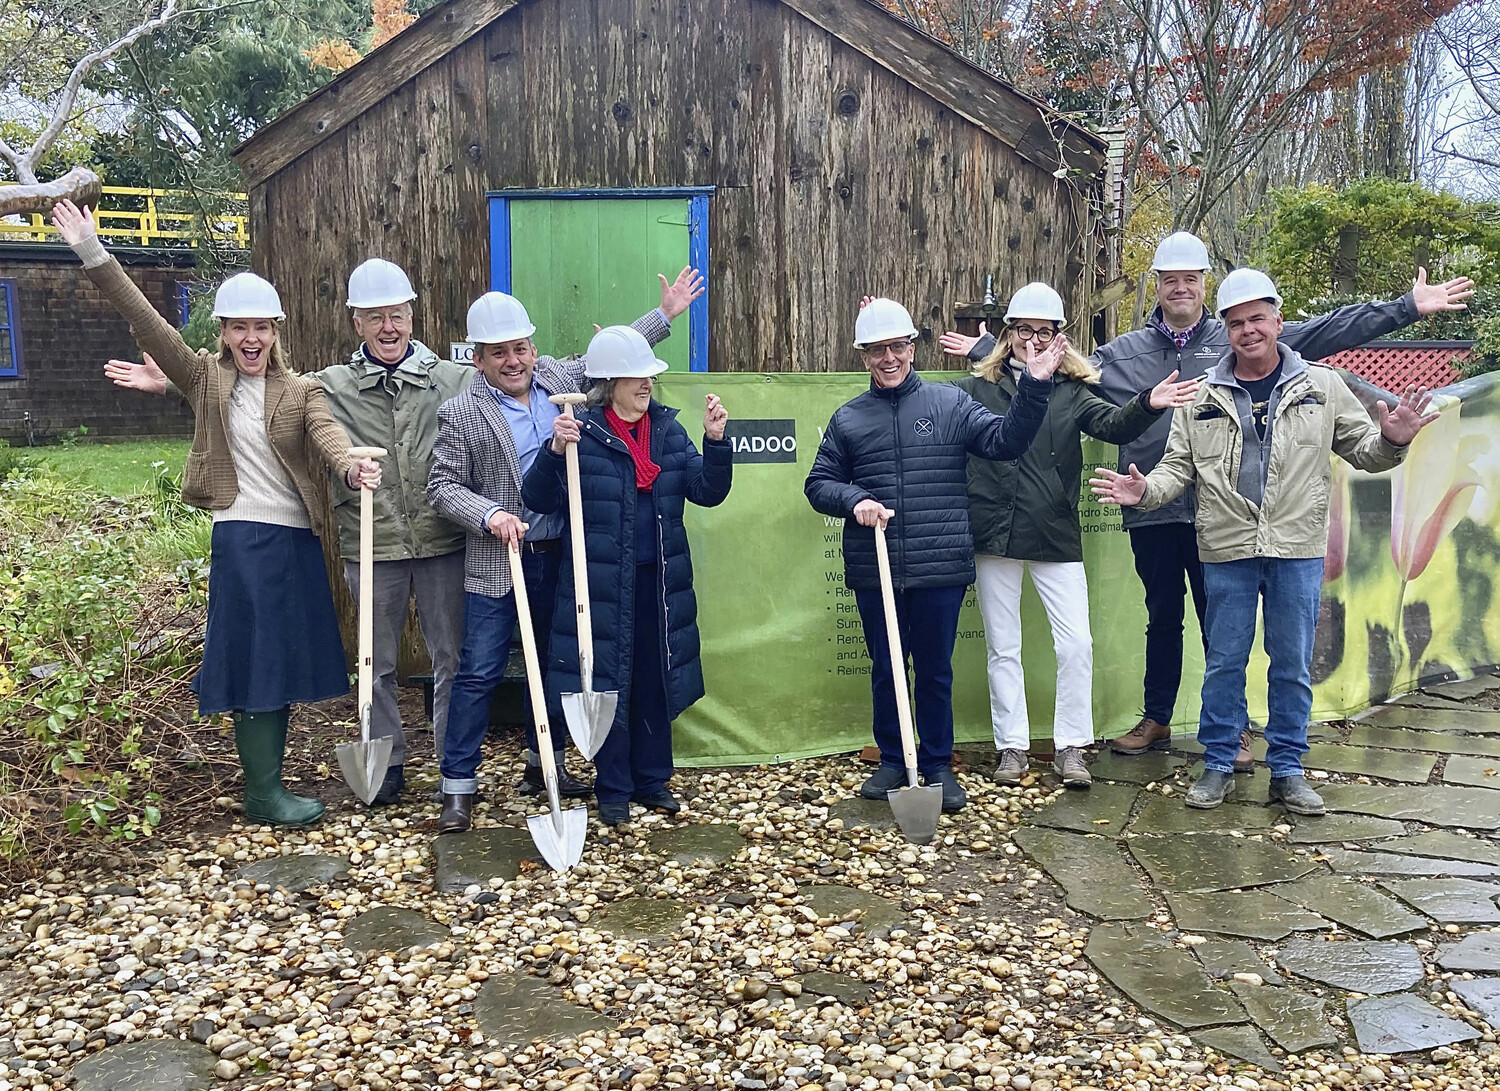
<point>1025,516</point>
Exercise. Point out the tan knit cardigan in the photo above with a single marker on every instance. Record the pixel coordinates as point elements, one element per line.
<point>301,430</point>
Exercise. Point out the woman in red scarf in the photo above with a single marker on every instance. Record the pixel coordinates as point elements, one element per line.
<point>637,470</point>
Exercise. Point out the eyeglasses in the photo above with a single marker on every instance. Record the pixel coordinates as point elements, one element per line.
<point>878,352</point>
<point>1026,333</point>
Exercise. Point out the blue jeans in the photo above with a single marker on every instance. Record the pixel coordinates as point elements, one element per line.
<point>541,595</point>
<point>928,619</point>
<point>1290,590</point>
<point>489,624</point>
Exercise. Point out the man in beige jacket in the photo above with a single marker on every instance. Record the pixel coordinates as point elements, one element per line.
<point>1256,443</point>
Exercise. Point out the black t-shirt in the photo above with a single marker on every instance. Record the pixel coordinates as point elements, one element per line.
<point>1260,398</point>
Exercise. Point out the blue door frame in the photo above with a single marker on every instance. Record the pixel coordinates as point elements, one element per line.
<point>697,199</point>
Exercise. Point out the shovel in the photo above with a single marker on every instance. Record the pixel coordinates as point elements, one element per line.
<point>364,763</point>
<point>916,809</point>
<point>558,835</point>
<point>590,714</point>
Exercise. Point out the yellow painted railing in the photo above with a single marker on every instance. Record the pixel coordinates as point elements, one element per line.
<point>148,226</point>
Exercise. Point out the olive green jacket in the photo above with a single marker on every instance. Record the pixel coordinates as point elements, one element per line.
<point>398,410</point>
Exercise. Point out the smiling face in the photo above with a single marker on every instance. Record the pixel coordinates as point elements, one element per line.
<point>249,342</point>
<point>1253,328</point>
<point>889,362</point>
<point>1180,293</point>
<point>630,398</point>
<point>507,367</point>
<point>386,331</point>
<point>1039,331</point>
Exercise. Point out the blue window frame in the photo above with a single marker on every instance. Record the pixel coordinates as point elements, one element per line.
<point>697,198</point>
<point>10,331</point>
<point>184,303</point>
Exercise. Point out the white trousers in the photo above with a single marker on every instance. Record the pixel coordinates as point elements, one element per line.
<point>1065,593</point>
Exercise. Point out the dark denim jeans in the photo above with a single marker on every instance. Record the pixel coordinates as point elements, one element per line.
<point>1290,590</point>
<point>928,619</point>
<point>489,624</point>
<point>1166,554</point>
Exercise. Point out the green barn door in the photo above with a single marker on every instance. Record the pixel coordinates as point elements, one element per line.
<point>575,263</point>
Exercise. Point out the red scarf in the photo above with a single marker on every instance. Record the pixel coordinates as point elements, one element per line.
<point>638,443</point>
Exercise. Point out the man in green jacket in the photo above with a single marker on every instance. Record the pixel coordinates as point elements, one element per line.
<point>1255,443</point>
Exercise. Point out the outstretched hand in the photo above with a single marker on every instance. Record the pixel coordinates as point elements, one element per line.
<point>145,376</point>
<point>1436,298</point>
<point>1126,489</point>
<point>1170,394</point>
<point>1400,425</point>
<point>678,296</point>
<point>73,225</point>
<point>958,344</point>
<point>1043,364</point>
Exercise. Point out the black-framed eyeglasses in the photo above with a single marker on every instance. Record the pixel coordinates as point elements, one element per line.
<point>1026,333</point>
<point>878,352</point>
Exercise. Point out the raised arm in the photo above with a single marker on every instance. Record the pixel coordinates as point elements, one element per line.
<point>1174,473</point>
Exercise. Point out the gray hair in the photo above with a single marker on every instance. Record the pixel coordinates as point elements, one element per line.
<point>601,393</point>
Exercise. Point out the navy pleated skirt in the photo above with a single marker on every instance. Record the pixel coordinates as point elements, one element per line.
<point>273,637</point>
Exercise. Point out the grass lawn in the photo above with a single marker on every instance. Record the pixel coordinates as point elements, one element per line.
<point>118,469</point>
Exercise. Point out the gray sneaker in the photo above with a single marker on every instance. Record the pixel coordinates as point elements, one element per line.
<point>1012,768</point>
<point>1294,795</point>
<point>1210,789</point>
<point>1070,765</point>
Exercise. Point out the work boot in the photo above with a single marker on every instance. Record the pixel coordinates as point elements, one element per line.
<point>1244,761</point>
<point>662,800</point>
<point>1069,765</point>
<point>881,783</point>
<point>954,796</point>
<point>458,812</point>
<point>568,786</point>
<point>1144,736</point>
<point>612,814</point>
<point>390,787</point>
<point>260,738</point>
<point>1012,768</point>
<point>1210,789</point>
<point>1295,796</point>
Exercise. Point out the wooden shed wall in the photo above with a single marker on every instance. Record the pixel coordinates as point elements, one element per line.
<point>836,178</point>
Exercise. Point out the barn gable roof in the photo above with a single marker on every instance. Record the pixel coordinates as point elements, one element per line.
<point>1018,120</point>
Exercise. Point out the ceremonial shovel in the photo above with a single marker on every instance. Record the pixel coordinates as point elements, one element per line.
<point>590,714</point>
<point>916,808</point>
<point>558,835</point>
<point>364,763</point>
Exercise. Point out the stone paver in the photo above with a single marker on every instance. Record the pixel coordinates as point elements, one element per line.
<point>1223,958</point>
<point>1370,762</point>
<point>874,913</point>
<point>1434,742</point>
<point>1477,772</point>
<point>1168,814</point>
<point>1476,953</point>
<point>1094,876</point>
<point>1434,717</point>
<point>1241,1042</point>
<point>842,987</point>
<point>1296,1022</point>
<point>1212,861</point>
<point>1366,966</point>
<point>712,843</point>
<point>1140,769</point>
<point>155,1064</point>
<point>1466,688</point>
<point>1354,905</point>
<point>476,857</point>
<point>639,918</point>
<point>1159,977</point>
<point>513,1010</point>
<point>1467,808</point>
<point>389,928</point>
<point>1103,809</point>
<point>296,873</point>
<point>1341,827</point>
<point>1366,861</point>
<point>1449,901</point>
<point>857,811</point>
<point>1444,844</point>
<point>1404,1024</point>
<point>1481,995</point>
<point>1254,914</point>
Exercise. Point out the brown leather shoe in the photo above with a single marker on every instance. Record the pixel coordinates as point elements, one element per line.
<point>1244,761</point>
<point>1144,736</point>
<point>457,814</point>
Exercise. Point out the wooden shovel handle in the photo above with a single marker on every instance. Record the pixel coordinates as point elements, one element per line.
<point>898,658</point>
<point>533,666</point>
<point>585,617</point>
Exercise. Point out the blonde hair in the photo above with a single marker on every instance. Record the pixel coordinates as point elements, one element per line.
<point>1074,364</point>
<point>275,359</point>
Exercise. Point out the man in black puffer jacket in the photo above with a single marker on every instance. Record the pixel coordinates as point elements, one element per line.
<point>897,456</point>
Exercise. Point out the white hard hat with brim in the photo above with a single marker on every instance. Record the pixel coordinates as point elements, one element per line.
<point>621,352</point>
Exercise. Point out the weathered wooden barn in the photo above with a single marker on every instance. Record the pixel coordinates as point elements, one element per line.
<point>802,152</point>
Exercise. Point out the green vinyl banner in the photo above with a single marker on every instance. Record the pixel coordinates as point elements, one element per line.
<point>783,650</point>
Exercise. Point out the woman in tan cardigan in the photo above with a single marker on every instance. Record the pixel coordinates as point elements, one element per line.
<point>261,433</point>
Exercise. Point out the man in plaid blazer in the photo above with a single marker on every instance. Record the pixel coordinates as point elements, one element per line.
<point>487,438</point>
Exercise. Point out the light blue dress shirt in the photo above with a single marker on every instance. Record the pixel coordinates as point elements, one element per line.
<point>530,427</point>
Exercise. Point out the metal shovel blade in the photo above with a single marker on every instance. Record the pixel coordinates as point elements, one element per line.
<point>590,715</point>
<point>559,836</point>
<point>364,764</point>
<point>917,810</point>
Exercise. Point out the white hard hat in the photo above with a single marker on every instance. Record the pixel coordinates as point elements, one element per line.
<point>246,295</point>
<point>621,352</point>
<point>1244,285</point>
<point>882,320</point>
<point>1181,250</point>
<point>495,318</point>
<point>379,283</point>
<point>1036,300</point>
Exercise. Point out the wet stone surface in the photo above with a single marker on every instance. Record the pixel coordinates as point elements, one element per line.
<point>1476,772</point>
<point>1404,1024</point>
<point>1434,717</point>
<point>639,918</point>
<point>1477,953</point>
<point>1168,814</point>
<point>161,1064</point>
<point>1159,977</point>
<point>1091,871</point>
<point>1223,958</point>
<point>841,987</point>
<point>1365,761</point>
<point>1465,689</point>
<point>1481,995</point>
<point>1255,914</point>
<point>513,1010</point>
<point>1294,1021</point>
<point>1240,1042</point>
<point>1444,844</point>
<point>295,873</point>
<point>1213,861</point>
<point>1103,809</point>
<point>1368,862</point>
<point>1435,742</point>
<point>1449,901</point>
<point>715,843</point>
<point>876,914</point>
<point>1157,765</point>
<point>389,928</point>
<point>1364,966</point>
<point>1353,905</point>
<point>476,857</point>
<point>1342,827</point>
<point>855,811</point>
<point>1467,808</point>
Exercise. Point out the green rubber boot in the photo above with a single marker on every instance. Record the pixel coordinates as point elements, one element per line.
<point>260,738</point>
